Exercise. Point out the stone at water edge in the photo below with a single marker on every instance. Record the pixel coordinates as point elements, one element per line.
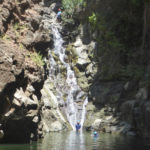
<point>96,124</point>
<point>56,126</point>
<point>142,94</point>
<point>1,134</point>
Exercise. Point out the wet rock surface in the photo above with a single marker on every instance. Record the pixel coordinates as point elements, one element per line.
<point>51,115</point>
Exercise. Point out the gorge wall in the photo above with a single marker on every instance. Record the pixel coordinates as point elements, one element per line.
<point>108,44</point>
<point>120,86</point>
<point>22,70</point>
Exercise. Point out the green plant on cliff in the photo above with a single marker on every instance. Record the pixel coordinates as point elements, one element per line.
<point>122,29</point>
<point>18,26</point>
<point>18,1</point>
<point>93,20</point>
<point>37,58</point>
<point>110,49</point>
<point>21,46</point>
<point>71,5</point>
<point>6,37</point>
<point>114,45</point>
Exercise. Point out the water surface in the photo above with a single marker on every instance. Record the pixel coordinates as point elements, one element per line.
<point>82,141</point>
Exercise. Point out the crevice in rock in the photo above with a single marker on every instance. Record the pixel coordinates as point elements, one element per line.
<point>42,47</point>
<point>38,87</point>
<point>6,95</point>
<point>21,131</point>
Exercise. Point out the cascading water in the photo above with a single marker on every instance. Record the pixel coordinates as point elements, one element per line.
<point>68,92</point>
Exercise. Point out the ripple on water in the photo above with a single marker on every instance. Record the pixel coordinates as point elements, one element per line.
<point>81,141</point>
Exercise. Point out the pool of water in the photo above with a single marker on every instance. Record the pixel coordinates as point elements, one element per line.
<point>82,141</point>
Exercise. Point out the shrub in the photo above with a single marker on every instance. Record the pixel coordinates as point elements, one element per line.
<point>37,58</point>
<point>93,20</point>
<point>6,37</point>
<point>71,5</point>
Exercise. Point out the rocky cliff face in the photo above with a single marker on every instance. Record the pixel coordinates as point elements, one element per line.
<point>28,104</point>
<point>21,69</point>
<point>107,58</point>
<point>120,86</point>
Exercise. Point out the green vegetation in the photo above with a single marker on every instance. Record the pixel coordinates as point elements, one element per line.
<point>93,20</point>
<point>70,6</point>
<point>6,37</point>
<point>16,26</point>
<point>21,46</point>
<point>37,59</point>
<point>19,26</point>
<point>110,49</point>
<point>119,28</point>
<point>17,2</point>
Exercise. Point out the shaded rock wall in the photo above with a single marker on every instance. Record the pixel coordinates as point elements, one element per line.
<point>22,70</point>
<point>121,85</point>
<point>52,117</point>
<point>115,71</point>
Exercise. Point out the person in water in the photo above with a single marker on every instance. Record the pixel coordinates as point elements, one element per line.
<point>78,126</point>
<point>95,134</point>
<point>58,16</point>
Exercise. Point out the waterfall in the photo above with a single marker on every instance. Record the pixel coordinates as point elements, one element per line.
<point>68,92</point>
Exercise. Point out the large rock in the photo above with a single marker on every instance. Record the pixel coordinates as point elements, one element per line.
<point>21,99</point>
<point>127,109</point>
<point>1,134</point>
<point>22,118</point>
<point>81,52</point>
<point>28,40</point>
<point>92,115</point>
<point>12,63</point>
<point>136,112</point>
<point>96,124</point>
<point>142,94</point>
<point>42,37</point>
<point>82,55</point>
<point>56,126</point>
<point>106,92</point>
<point>5,14</point>
<point>51,112</point>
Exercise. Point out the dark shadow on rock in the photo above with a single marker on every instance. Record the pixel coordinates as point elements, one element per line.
<point>19,131</point>
<point>86,37</point>
<point>47,3</point>
<point>6,95</point>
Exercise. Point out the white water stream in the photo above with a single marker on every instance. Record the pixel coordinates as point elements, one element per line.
<point>73,101</point>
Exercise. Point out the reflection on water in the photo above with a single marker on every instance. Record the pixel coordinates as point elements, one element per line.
<point>32,146</point>
<point>63,141</point>
<point>82,141</point>
<point>77,141</point>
